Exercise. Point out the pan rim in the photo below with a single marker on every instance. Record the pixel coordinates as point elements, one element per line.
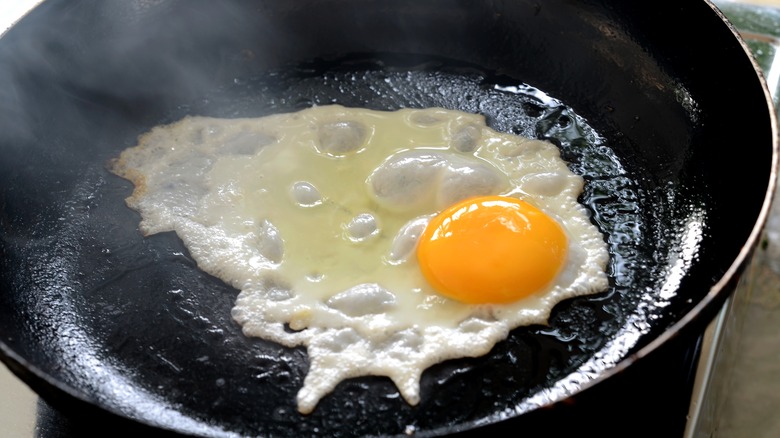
<point>714,297</point>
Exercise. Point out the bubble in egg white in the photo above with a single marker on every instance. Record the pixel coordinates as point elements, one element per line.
<point>418,178</point>
<point>314,216</point>
<point>403,181</point>
<point>269,242</point>
<point>305,194</point>
<point>405,240</point>
<point>341,137</point>
<point>363,299</point>
<point>462,180</point>
<point>465,138</point>
<point>362,227</point>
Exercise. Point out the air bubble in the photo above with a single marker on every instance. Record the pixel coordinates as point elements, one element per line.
<point>363,299</point>
<point>304,194</point>
<point>341,138</point>
<point>362,227</point>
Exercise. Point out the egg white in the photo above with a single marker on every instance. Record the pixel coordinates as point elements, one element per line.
<point>314,217</point>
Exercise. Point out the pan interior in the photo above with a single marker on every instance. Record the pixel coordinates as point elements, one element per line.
<point>139,310</point>
<point>132,325</point>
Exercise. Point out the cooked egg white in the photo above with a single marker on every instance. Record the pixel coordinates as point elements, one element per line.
<point>317,218</point>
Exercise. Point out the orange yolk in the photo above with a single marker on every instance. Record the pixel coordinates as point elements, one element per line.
<point>491,249</point>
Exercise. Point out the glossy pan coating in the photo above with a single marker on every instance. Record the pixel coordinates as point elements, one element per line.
<point>95,316</point>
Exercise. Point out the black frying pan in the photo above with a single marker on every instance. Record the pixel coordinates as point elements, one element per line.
<point>656,103</point>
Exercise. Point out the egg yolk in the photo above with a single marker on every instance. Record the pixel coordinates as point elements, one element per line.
<point>491,249</point>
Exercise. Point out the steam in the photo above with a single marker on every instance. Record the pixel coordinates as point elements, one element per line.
<point>80,80</point>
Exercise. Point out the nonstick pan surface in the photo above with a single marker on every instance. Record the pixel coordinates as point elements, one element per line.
<point>678,155</point>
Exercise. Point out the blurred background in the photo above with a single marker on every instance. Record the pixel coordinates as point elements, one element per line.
<point>737,393</point>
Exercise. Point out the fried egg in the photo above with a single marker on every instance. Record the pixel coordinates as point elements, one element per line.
<point>383,242</point>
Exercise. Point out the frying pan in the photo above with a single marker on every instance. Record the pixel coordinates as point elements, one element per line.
<point>658,104</point>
